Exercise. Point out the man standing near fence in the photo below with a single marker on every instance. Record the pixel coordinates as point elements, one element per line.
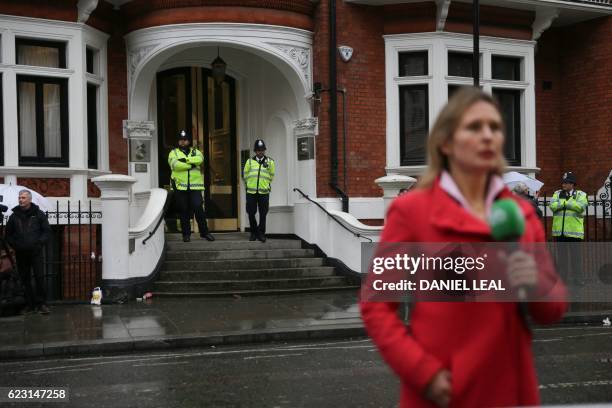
<point>27,231</point>
<point>568,206</point>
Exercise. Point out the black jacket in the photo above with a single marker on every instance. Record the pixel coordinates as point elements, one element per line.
<point>27,230</point>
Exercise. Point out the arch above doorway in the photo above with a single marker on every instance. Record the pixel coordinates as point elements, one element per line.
<point>288,49</point>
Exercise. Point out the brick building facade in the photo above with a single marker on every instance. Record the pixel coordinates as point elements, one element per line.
<point>559,99</point>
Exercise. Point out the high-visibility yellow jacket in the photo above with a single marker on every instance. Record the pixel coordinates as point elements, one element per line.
<point>568,214</point>
<point>186,175</point>
<point>258,177</point>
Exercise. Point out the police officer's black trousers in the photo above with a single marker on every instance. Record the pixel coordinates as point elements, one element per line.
<point>28,262</point>
<point>253,202</point>
<point>568,259</point>
<point>189,202</point>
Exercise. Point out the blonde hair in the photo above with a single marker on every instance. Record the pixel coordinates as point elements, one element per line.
<point>445,126</point>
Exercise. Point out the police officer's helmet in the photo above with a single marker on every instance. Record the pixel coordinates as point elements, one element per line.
<point>259,145</point>
<point>568,177</point>
<point>183,135</point>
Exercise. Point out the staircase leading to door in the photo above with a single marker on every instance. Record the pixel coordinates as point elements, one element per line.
<point>233,265</point>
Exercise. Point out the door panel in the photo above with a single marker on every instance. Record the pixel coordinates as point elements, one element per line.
<point>221,144</point>
<point>188,98</point>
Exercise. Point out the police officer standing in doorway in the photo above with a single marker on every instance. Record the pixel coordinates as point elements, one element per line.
<point>258,174</point>
<point>569,206</point>
<point>188,185</point>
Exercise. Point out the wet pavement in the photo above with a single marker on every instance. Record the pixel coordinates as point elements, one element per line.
<point>172,317</point>
<point>574,367</point>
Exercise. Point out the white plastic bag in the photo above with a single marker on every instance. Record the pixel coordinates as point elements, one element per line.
<point>96,296</point>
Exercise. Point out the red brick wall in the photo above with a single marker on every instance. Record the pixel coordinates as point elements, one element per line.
<point>48,187</point>
<point>117,102</point>
<point>361,27</point>
<point>574,119</point>
<point>410,18</point>
<point>52,10</point>
<point>494,21</point>
<point>548,110</point>
<point>586,101</point>
<point>245,15</point>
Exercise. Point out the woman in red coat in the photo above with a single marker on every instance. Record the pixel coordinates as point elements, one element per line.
<point>463,354</point>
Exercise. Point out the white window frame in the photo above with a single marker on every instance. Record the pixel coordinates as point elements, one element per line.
<point>77,37</point>
<point>438,46</point>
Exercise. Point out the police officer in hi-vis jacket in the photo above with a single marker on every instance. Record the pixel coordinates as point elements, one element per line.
<point>568,206</point>
<point>258,174</point>
<point>188,185</point>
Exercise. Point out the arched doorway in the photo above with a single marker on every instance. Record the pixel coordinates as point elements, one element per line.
<point>189,98</point>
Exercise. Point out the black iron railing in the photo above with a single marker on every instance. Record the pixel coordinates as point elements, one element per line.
<point>330,215</point>
<point>72,256</point>
<point>597,219</point>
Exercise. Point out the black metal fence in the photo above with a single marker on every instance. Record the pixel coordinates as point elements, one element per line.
<point>72,256</point>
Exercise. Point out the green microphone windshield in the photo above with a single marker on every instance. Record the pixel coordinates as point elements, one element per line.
<point>506,220</point>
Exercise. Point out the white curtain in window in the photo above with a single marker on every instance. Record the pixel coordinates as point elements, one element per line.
<point>51,106</point>
<point>38,56</point>
<point>27,119</point>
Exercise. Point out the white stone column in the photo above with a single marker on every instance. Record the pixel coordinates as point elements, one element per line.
<point>391,185</point>
<point>115,189</point>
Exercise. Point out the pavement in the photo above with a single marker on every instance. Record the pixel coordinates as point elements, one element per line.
<point>169,323</point>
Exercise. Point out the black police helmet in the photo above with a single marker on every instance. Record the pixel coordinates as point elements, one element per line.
<point>259,145</point>
<point>568,177</point>
<point>183,135</point>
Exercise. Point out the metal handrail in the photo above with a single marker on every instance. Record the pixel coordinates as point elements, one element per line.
<point>331,216</point>
<point>163,215</point>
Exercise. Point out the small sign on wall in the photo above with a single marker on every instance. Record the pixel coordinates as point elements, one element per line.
<point>140,150</point>
<point>140,167</point>
<point>305,148</point>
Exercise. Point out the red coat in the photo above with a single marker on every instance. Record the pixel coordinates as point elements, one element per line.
<point>486,346</point>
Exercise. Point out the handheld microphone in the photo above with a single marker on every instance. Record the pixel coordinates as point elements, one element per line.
<point>508,225</point>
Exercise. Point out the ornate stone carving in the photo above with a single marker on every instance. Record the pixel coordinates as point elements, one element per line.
<point>300,56</point>
<point>85,8</point>
<point>544,19</point>
<point>138,129</point>
<point>136,56</point>
<point>307,126</point>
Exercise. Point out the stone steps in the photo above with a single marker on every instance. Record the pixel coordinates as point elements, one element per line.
<point>241,264</point>
<point>233,265</point>
<point>247,274</point>
<point>251,284</point>
<point>248,254</point>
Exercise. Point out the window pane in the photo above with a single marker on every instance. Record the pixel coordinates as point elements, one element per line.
<point>414,123</point>
<point>27,119</point>
<point>508,68</point>
<point>89,61</point>
<point>510,102</point>
<point>460,64</point>
<point>52,119</point>
<point>92,126</point>
<point>39,55</point>
<point>413,63</point>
